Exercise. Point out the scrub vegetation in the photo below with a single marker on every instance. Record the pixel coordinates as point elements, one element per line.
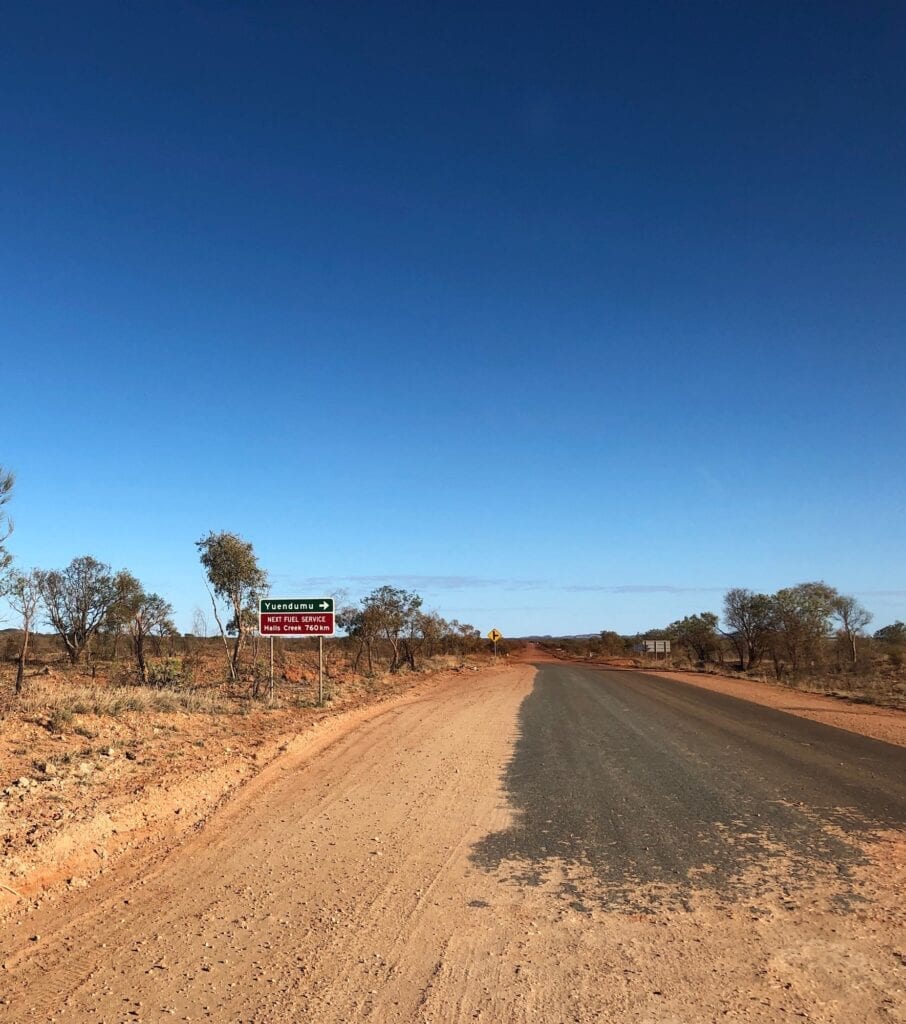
<point>111,718</point>
<point>106,636</point>
<point>808,636</point>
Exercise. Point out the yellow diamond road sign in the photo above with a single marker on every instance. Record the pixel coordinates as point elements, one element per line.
<point>495,635</point>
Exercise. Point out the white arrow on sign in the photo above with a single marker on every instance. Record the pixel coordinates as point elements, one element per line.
<point>324,606</point>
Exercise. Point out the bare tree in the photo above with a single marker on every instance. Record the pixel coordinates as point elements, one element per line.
<point>236,578</point>
<point>24,596</point>
<point>199,623</point>
<point>853,619</point>
<point>77,600</point>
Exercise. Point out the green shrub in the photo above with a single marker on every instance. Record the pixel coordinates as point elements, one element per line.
<point>170,674</point>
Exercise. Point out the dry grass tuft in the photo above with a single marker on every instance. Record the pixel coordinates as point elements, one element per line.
<point>60,700</point>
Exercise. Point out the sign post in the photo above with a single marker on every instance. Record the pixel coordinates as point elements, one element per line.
<point>494,636</point>
<point>270,696</point>
<point>298,617</point>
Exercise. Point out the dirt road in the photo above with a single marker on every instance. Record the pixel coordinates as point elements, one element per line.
<point>550,845</point>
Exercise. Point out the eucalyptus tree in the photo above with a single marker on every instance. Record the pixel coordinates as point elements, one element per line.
<point>238,581</point>
<point>801,621</point>
<point>750,617</point>
<point>698,634</point>
<point>144,615</point>
<point>393,615</point>
<point>77,600</point>
<point>853,618</point>
<point>895,633</point>
<point>24,596</point>
<point>361,628</point>
<point>7,482</point>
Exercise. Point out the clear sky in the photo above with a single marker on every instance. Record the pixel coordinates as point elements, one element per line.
<point>566,316</point>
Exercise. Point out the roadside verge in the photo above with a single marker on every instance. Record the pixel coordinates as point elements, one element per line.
<point>62,829</point>
<point>880,723</point>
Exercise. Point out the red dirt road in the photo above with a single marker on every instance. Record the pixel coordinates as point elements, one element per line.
<point>343,886</point>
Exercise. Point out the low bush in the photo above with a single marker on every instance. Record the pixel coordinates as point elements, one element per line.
<point>170,673</point>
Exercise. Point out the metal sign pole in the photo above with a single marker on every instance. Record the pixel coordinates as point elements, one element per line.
<point>272,669</point>
<point>320,671</point>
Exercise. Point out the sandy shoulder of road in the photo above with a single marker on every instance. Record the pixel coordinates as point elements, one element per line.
<point>103,801</point>
<point>887,724</point>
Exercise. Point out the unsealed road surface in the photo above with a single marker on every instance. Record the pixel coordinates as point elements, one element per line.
<point>550,844</point>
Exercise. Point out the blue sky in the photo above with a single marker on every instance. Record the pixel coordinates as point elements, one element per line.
<point>567,316</point>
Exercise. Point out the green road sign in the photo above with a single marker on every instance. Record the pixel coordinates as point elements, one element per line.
<point>295,604</point>
<point>296,616</point>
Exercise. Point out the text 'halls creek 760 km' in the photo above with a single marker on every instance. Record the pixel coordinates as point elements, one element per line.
<point>296,616</point>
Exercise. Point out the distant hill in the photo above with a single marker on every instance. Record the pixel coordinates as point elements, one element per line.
<point>547,637</point>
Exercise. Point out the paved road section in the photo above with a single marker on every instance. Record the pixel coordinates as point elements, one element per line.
<point>566,846</point>
<point>662,788</point>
